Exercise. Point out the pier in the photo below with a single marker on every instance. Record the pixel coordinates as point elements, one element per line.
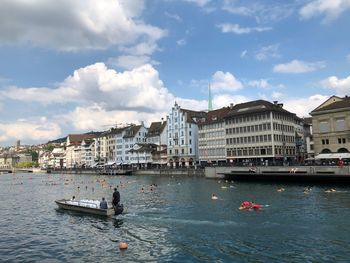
<point>329,174</point>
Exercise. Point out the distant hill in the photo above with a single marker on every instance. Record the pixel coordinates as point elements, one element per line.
<point>64,139</point>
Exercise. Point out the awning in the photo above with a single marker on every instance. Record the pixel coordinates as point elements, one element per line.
<point>333,156</point>
<point>110,163</point>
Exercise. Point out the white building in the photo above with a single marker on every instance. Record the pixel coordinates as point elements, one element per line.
<point>73,149</point>
<point>141,155</point>
<point>126,140</point>
<point>182,130</point>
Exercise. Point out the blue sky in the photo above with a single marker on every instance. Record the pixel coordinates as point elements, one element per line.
<point>76,66</point>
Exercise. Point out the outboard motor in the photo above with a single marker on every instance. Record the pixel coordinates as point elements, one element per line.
<point>118,209</point>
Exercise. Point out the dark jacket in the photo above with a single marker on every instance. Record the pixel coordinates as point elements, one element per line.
<point>103,205</point>
<point>116,198</point>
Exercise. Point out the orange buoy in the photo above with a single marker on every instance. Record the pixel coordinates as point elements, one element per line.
<point>123,245</point>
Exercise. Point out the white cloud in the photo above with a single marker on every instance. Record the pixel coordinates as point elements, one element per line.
<point>139,88</point>
<point>268,13</point>
<point>237,29</point>
<point>271,51</point>
<point>331,9</point>
<point>96,117</point>
<point>181,42</point>
<point>244,53</point>
<point>131,62</point>
<point>224,81</point>
<point>261,83</point>
<point>341,86</point>
<point>224,100</point>
<point>75,25</point>
<point>174,16</point>
<point>276,95</point>
<point>200,3</point>
<point>40,130</point>
<point>303,106</point>
<point>297,66</point>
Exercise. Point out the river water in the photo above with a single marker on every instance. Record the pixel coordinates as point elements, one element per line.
<point>176,222</point>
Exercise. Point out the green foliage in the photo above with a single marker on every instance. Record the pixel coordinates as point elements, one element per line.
<point>26,164</point>
<point>35,155</point>
<point>49,147</point>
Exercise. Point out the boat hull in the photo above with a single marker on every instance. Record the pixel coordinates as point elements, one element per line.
<point>62,204</point>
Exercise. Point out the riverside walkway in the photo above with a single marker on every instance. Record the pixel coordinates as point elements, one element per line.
<point>334,174</point>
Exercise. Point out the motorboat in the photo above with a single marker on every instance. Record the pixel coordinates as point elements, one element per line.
<point>89,207</point>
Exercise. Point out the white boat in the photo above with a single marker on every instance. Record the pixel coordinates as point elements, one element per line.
<point>88,206</point>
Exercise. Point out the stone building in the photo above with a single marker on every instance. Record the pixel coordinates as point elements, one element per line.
<point>331,126</point>
<point>261,132</point>
<point>212,138</point>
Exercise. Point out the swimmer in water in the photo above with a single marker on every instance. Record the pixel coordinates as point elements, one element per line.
<point>214,197</point>
<point>280,189</point>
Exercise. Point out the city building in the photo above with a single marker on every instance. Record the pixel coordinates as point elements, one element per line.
<point>73,149</point>
<point>131,135</point>
<point>331,127</point>
<point>8,160</point>
<point>212,138</point>
<point>309,142</point>
<point>182,130</point>
<point>260,132</point>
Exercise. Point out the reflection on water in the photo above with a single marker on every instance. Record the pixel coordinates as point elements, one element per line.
<point>176,221</point>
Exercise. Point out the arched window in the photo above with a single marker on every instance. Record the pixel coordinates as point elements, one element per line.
<point>326,151</point>
<point>343,150</point>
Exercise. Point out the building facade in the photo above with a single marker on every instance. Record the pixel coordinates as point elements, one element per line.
<point>212,137</point>
<point>182,131</point>
<point>260,132</point>
<point>331,126</point>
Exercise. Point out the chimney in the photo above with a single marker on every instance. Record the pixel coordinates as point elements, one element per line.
<point>162,120</point>
<point>275,102</point>
<point>231,105</point>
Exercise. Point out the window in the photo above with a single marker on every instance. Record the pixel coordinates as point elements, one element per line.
<point>190,150</point>
<point>190,141</point>
<point>340,125</point>
<point>182,151</point>
<point>190,133</point>
<point>324,126</point>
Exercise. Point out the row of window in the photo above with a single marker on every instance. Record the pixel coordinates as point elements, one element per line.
<point>259,151</point>
<point>211,143</point>
<point>212,152</point>
<point>211,126</point>
<point>213,134</point>
<point>340,141</point>
<point>259,117</point>
<point>176,142</point>
<point>176,151</point>
<point>176,134</point>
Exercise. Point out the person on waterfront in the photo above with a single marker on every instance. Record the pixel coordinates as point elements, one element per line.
<point>116,197</point>
<point>103,204</point>
<point>73,198</point>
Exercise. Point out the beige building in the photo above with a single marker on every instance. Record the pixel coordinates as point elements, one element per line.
<point>331,126</point>
<point>212,138</point>
<point>8,160</point>
<point>261,132</point>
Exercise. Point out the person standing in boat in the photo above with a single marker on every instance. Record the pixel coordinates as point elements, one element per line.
<point>116,198</point>
<point>103,204</point>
